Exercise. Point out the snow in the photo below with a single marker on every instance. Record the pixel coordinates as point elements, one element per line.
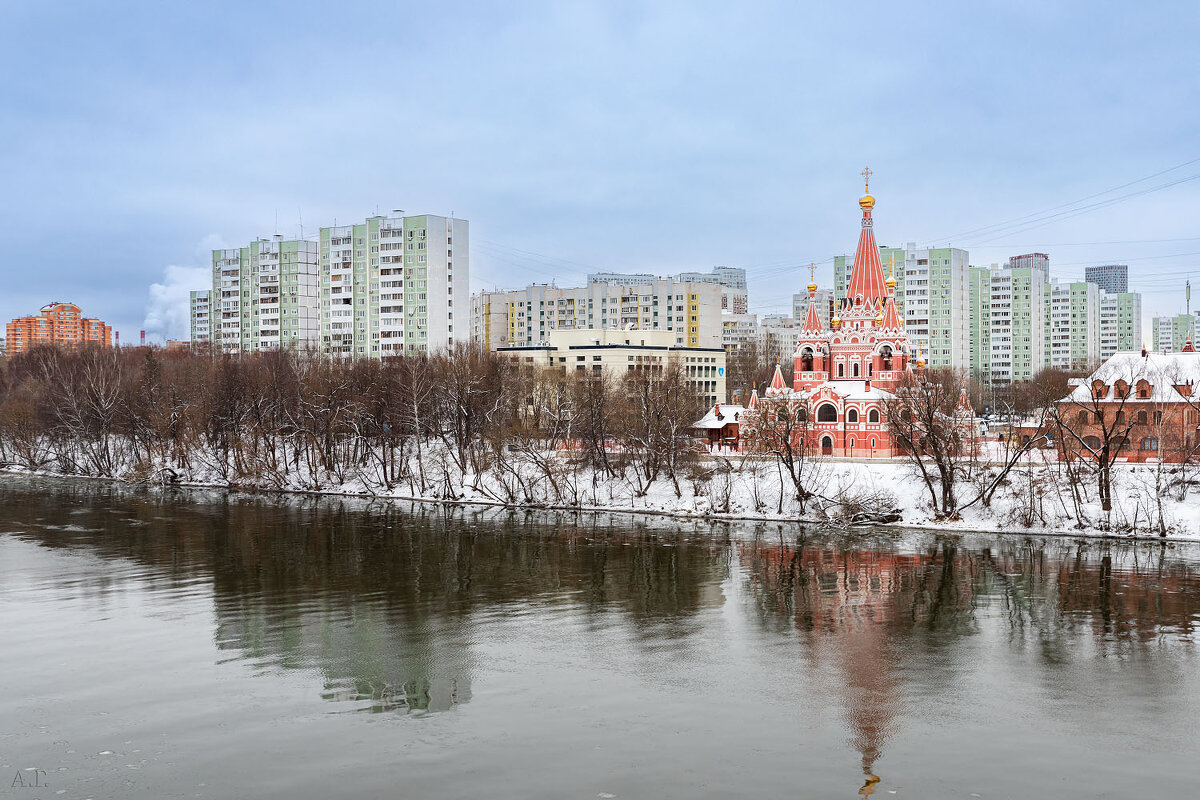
<point>1036,498</point>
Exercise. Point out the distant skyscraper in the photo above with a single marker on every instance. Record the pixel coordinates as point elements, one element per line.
<point>1111,278</point>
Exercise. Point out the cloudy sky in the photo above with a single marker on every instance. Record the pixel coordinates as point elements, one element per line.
<point>135,137</point>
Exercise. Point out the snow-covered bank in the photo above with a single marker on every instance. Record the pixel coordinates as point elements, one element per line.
<point>1151,501</point>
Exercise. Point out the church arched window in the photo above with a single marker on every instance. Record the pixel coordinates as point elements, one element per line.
<point>827,413</point>
<point>852,415</point>
<point>873,416</point>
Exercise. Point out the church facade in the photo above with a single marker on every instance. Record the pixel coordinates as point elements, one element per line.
<point>845,377</point>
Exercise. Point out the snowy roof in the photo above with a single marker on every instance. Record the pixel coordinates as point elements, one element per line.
<point>729,414</point>
<point>854,390</point>
<point>1163,371</point>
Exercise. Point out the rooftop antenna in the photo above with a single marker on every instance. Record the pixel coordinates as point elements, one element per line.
<point>277,220</point>
<point>300,211</point>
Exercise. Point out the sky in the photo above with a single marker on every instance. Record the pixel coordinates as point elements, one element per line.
<point>577,137</point>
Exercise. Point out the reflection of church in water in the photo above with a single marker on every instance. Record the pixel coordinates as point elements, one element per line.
<point>852,604</point>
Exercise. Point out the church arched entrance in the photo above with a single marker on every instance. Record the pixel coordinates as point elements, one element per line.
<point>826,445</point>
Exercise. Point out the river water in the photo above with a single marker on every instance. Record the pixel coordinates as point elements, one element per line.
<point>200,644</point>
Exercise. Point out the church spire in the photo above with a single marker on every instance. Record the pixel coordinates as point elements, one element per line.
<point>812,320</point>
<point>866,277</point>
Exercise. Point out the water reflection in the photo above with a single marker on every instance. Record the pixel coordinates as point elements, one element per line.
<point>877,614</point>
<point>390,605</point>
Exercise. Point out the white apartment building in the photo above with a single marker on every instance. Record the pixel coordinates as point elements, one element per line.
<point>391,285</point>
<point>824,300</point>
<point>778,336</point>
<point>264,296</point>
<point>732,280</point>
<point>200,315</point>
<point>525,317</point>
<point>738,330</point>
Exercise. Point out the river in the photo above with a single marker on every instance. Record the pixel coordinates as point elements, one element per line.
<point>162,644</point>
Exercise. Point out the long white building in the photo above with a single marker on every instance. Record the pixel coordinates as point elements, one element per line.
<point>525,317</point>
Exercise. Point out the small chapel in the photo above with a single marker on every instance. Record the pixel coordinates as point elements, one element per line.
<point>845,376</point>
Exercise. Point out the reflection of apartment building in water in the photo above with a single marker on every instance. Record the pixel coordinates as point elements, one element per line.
<point>60,324</point>
<point>264,296</point>
<point>392,285</point>
<point>525,317</point>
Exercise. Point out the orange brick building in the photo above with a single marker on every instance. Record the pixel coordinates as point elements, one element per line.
<point>58,324</point>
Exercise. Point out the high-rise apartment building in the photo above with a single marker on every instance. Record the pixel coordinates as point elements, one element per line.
<point>391,286</point>
<point>824,300</point>
<point>692,311</point>
<point>778,336</point>
<point>1072,325</point>
<point>738,330</point>
<point>1120,323</point>
<point>1171,333</point>
<point>1010,334</point>
<point>732,280</point>
<point>932,298</point>
<point>1111,278</point>
<point>60,324</point>
<point>200,315</point>
<point>264,296</point>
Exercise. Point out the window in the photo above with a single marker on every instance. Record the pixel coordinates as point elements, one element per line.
<point>841,370</point>
<point>852,415</point>
<point>873,416</point>
<point>1141,418</point>
<point>827,413</point>
<point>1149,444</point>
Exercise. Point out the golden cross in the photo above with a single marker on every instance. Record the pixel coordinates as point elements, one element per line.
<point>812,272</point>
<point>866,173</point>
<point>892,266</point>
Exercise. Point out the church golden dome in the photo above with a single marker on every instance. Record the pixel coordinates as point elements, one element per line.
<point>866,202</point>
<point>879,320</point>
<point>891,282</point>
<point>835,322</point>
<point>812,287</point>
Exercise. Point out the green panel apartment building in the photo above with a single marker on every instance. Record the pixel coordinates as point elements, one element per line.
<point>932,297</point>
<point>264,296</point>
<point>1120,323</point>
<point>1171,333</point>
<point>1008,340</point>
<point>1072,325</point>
<point>392,285</point>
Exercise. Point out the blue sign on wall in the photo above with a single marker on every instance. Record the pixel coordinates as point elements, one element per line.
<point>720,370</point>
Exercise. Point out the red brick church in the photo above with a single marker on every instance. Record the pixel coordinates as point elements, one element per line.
<point>844,377</point>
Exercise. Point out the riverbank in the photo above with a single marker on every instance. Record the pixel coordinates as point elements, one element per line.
<point>846,494</point>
